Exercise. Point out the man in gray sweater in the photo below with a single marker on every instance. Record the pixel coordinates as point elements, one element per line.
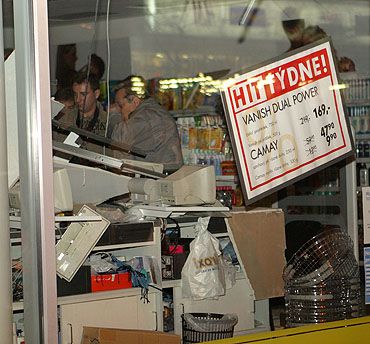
<point>146,126</point>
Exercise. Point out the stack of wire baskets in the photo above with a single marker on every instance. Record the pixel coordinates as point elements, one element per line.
<point>322,281</point>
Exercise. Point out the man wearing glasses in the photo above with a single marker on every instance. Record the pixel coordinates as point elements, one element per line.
<point>146,126</point>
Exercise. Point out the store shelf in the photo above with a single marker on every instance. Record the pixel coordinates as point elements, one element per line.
<point>357,102</point>
<point>365,136</point>
<point>359,188</point>
<point>226,178</point>
<point>18,306</point>
<point>228,181</point>
<point>326,205</point>
<point>171,283</point>
<point>101,295</point>
<point>15,221</point>
<point>323,218</point>
<point>201,111</point>
<point>79,218</point>
<point>123,246</point>
<point>322,191</point>
<point>363,160</point>
<point>313,200</point>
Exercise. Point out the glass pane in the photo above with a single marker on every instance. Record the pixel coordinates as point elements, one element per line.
<point>186,49</point>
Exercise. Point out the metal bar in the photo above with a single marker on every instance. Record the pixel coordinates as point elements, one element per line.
<point>36,170</point>
<point>114,144</point>
<point>348,184</point>
<point>6,312</point>
<point>246,13</point>
<point>105,160</point>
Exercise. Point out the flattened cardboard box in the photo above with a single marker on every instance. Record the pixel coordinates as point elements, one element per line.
<point>259,236</point>
<point>98,335</point>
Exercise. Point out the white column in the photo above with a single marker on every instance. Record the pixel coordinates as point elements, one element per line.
<point>6,312</point>
<point>36,170</point>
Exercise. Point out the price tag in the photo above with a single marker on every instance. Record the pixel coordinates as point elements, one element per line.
<point>286,120</point>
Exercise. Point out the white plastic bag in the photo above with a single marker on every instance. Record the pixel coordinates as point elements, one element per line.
<point>203,274</point>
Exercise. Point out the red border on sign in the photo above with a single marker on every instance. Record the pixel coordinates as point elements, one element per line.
<point>303,164</point>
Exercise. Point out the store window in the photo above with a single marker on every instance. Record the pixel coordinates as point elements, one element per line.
<point>185,50</point>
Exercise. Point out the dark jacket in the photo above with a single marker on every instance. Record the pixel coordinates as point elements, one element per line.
<point>153,130</point>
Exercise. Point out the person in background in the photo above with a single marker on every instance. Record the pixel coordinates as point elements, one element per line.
<point>146,126</point>
<point>313,33</point>
<point>97,67</point>
<point>293,29</point>
<point>88,113</point>
<point>66,65</point>
<point>66,97</point>
<point>114,117</point>
<point>345,64</point>
<point>293,26</point>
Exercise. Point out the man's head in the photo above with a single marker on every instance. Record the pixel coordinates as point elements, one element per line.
<point>66,97</point>
<point>293,28</point>
<point>67,55</point>
<point>130,93</point>
<point>86,92</point>
<point>312,34</point>
<point>97,66</point>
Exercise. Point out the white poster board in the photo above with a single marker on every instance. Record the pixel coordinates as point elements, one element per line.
<point>366,213</point>
<point>367,274</point>
<point>286,119</point>
<point>366,227</point>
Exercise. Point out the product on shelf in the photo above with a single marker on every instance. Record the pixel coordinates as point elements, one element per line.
<point>357,98</point>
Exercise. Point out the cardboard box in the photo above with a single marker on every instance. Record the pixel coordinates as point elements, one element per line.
<point>99,335</point>
<point>259,236</point>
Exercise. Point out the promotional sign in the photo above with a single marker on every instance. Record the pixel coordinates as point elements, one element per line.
<point>286,119</point>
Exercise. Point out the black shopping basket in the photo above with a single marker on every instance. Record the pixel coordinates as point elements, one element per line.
<point>204,327</point>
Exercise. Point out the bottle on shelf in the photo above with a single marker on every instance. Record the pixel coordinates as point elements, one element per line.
<point>224,196</point>
<point>360,149</point>
<point>363,175</point>
<point>366,148</point>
